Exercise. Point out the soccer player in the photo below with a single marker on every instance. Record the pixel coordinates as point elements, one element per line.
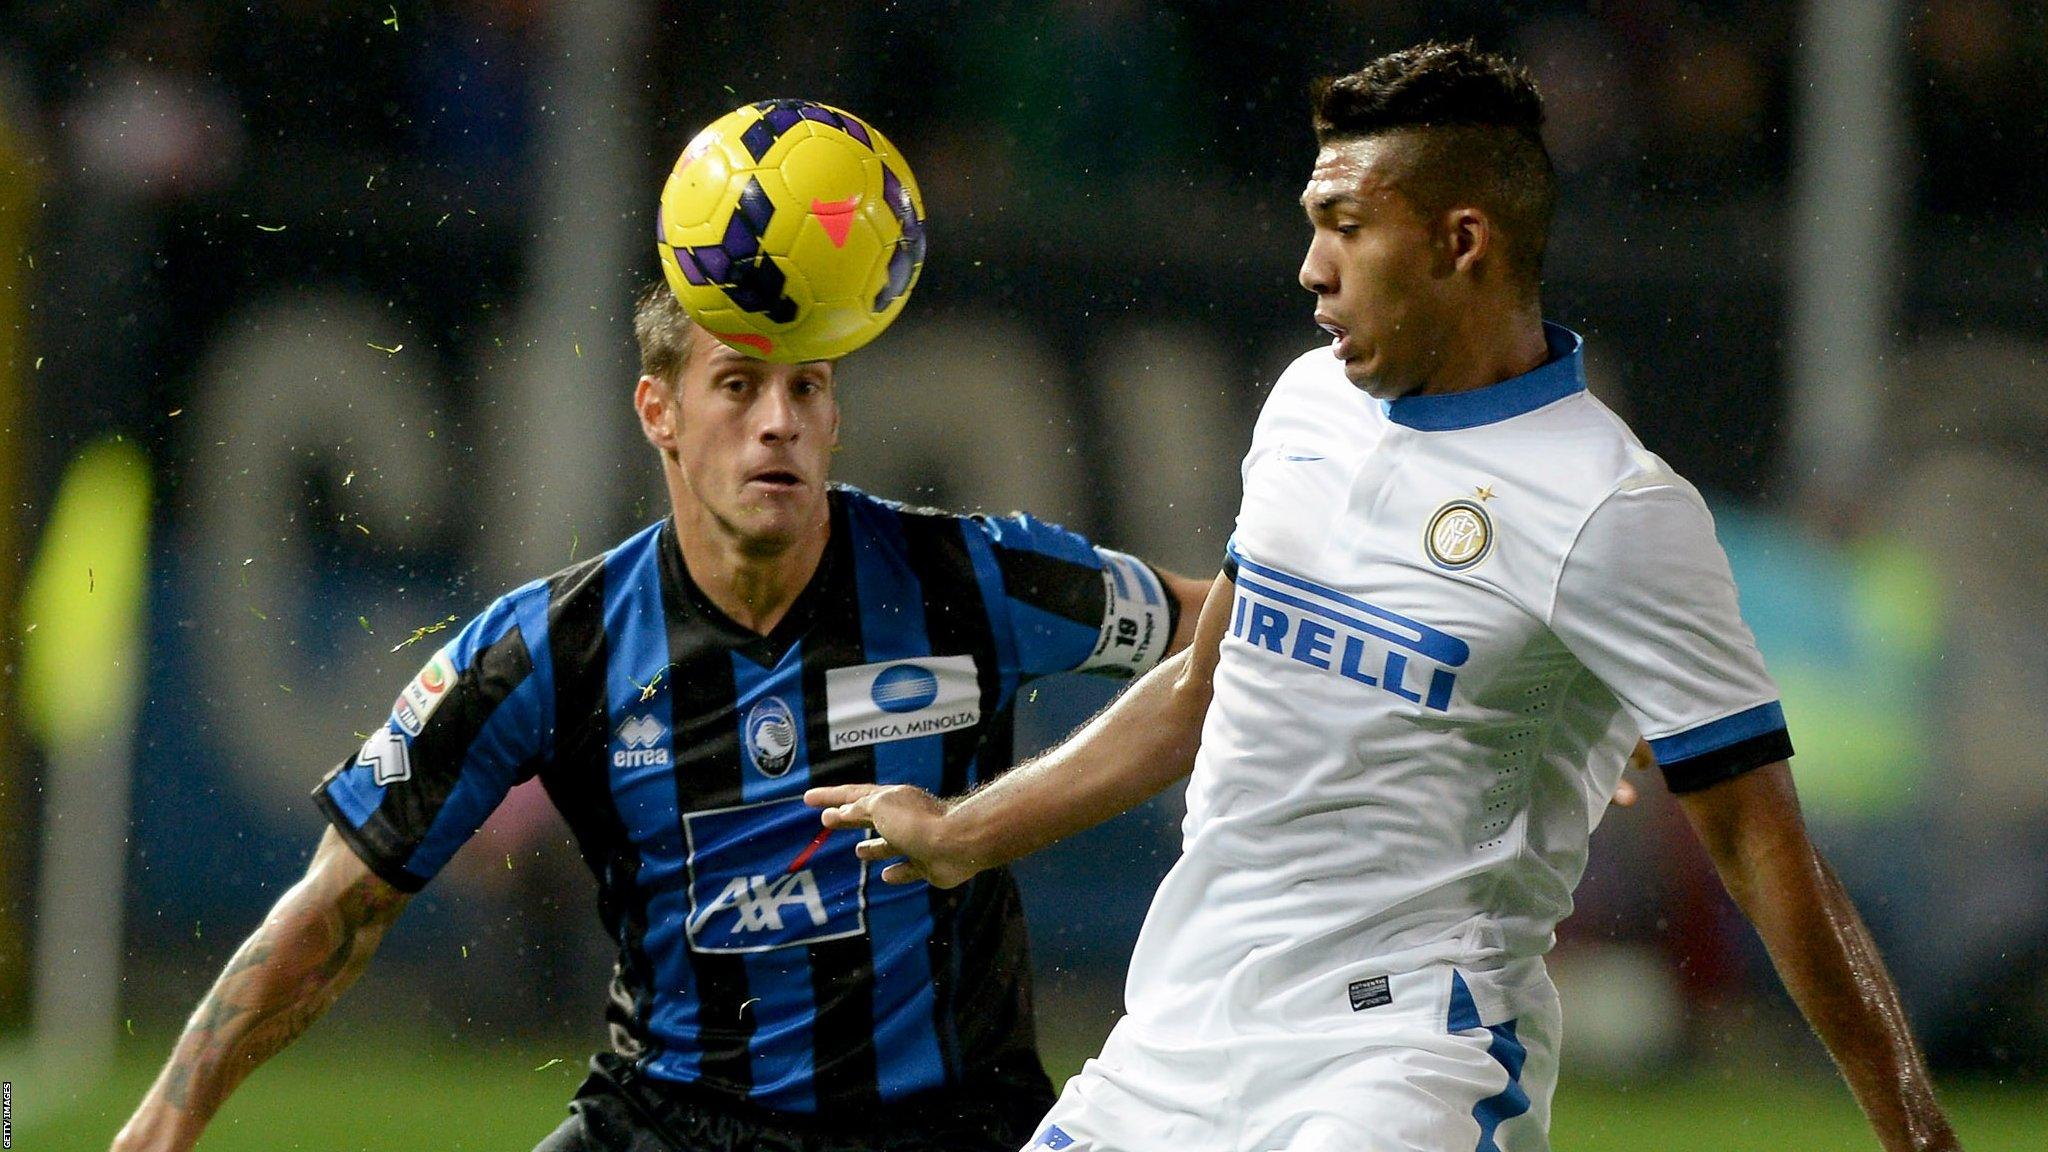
<point>1458,591</point>
<point>676,696</point>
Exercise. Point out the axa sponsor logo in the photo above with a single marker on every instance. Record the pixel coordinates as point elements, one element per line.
<point>758,904</point>
<point>641,741</point>
<point>763,876</point>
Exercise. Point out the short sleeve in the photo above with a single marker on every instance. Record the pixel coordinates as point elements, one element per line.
<point>1073,606</point>
<point>471,724</point>
<point>1646,601</point>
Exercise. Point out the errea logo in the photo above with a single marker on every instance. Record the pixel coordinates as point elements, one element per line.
<point>642,736</point>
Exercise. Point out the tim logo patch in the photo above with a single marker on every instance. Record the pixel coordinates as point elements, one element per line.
<point>901,699</point>
<point>419,699</point>
<point>761,878</point>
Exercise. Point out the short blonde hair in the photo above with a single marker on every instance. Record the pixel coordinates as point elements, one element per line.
<point>666,334</point>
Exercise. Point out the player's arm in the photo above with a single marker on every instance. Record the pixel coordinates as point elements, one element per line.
<point>1191,595</point>
<point>1752,828</point>
<point>1124,756</point>
<point>312,945</point>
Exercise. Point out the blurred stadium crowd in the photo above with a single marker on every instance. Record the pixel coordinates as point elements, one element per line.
<point>352,274</point>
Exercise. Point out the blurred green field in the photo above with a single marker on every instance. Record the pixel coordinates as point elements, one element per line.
<point>334,1094</point>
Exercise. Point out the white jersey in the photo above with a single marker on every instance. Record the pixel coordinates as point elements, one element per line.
<point>1454,614</point>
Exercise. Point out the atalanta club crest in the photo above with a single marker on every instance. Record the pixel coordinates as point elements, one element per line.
<point>770,737</point>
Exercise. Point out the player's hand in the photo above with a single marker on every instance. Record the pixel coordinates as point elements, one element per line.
<point>907,822</point>
<point>1626,793</point>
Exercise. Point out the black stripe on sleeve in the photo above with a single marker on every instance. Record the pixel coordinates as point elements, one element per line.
<point>1710,768</point>
<point>374,854</point>
<point>405,815</point>
<point>1065,589</point>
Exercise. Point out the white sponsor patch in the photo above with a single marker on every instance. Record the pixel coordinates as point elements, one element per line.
<point>424,694</point>
<point>1137,620</point>
<point>901,699</point>
<point>638,742</point>
<point>385,754</point>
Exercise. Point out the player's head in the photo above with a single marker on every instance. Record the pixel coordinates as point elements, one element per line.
<point>1431,199</point>
<point>745,444</point>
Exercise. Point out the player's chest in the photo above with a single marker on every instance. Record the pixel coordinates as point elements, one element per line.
<point>1391,568</point>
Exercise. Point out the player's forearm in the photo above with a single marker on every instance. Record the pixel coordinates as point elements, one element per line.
<point>1831,966</point>
<point>1126,755</point>
<point>311,947</point>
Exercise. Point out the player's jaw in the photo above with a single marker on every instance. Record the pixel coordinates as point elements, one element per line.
<point>1364,357</point>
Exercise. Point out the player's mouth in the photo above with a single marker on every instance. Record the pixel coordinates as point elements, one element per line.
<point>776,479</point>
<point>1337,334</point>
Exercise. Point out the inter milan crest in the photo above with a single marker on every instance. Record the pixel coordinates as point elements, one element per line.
<point>1459,535</point>
<point>770,733</point>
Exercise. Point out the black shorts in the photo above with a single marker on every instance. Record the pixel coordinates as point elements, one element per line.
<point>620,1110</point>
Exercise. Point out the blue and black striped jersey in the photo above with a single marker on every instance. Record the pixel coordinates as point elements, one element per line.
<point>758,958</point>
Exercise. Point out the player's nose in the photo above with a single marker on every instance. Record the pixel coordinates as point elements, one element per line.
<point>777,416</point>
<point>1317,274</point>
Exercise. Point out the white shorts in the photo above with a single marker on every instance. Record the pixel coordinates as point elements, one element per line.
<point>1429,1071</point>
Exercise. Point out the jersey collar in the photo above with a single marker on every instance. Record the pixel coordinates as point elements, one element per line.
<point>1560,376</point>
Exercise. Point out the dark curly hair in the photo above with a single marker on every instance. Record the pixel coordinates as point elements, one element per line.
<point>1477,122</point>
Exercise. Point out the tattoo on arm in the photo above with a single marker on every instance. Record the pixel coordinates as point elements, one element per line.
<point>313,945</point>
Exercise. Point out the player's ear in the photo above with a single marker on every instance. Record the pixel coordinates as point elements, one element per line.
<point>655,403</point>
<point>1468,237</point>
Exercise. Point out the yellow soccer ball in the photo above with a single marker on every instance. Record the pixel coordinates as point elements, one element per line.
<point>791,231</point>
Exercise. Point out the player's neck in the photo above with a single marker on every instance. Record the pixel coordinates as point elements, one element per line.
<point>1490,345</point>
<point>755,586</point>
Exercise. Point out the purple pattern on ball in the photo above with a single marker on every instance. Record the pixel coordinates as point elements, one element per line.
<point>755,206</point>
<point>758,138</point>
<point>715,262</point>
<point>739,242</point>
<point>686,260</point>
<point>784,115</point>
<point>909,253</point>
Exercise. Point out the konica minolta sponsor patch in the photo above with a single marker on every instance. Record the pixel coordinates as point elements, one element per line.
<point>901,699</point>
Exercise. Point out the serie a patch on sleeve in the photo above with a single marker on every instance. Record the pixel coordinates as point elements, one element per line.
<point>424,693</point>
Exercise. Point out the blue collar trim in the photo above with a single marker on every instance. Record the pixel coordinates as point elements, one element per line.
<point>1558,377</point>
